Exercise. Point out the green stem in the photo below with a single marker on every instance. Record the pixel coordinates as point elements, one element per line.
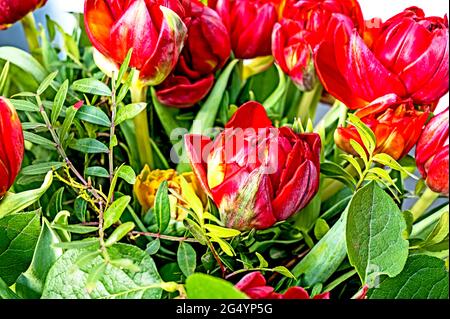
<point>340,280</point>
<point>425,201</point>
<point>141,127</point>
<point>31,35</point>
<point>308,104</point>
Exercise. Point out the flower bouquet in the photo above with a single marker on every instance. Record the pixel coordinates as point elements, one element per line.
<point>228,149</point>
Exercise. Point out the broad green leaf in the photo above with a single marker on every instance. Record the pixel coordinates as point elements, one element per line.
<point>89,146</point>
<point>46,83</point>
<point>119,233</point>
<point>423,277</point>
<point>325,257</point>
<point>24,61</point>
<point>307,217</point>
<point>221,232</point>
<point>374,232</point>
<point>39,140</point>
<point>439,232</point>
<point>186,258</point>
<point>31,283</point>
<point>153,246</point>
<point>93,115</point>
<point>162,207</point>
<point>67,282</point>
<point>19,234</point>
<point>59,101</point>
<point>115,211</point>
<point>321,228</point>
<point>97,171</point>
<point>24,105</point>
<point>202,286</point>
<point>14,203</point>
<point>91,86</point>
<point>41,168</point>
<point>129,111</point>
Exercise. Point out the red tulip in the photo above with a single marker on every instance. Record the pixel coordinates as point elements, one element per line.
<point>296,37</point>
<point>254,286</point>
<point>14,10</point>
<point>155,33</point>
<point>11,145</point>
<point>396,123</point>
<point>250,24</point>
<point>408,57</point>
<point>432,153</point>
<point>206,50</point>
<point>255,173</point>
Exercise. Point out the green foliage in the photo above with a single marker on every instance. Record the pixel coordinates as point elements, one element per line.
<point>201,286</point>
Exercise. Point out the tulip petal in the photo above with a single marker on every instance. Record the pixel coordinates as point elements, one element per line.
<point>296,293</point>
<point>296,194</point>
<point>438,172</point>
<point>181,93</point>
<point>251,280</point>
<point>250,115</point>
<point>197,150</point>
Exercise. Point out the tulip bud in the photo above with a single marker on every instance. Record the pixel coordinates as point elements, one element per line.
<point>250,24</point>
<point>148,182</point>
<point>396,124</point>
<point>156,34</point>
<point>11,145</point>
<point>432,153</point>
<point>12,11</point>
<point>206,50</point>
<point>255,173</point>
<point>407,55</point>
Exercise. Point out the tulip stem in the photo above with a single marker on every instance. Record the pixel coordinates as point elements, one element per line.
<point>141,127</point>
<point>31,34</point>
<point>424,201</point>
<point>308,104</point>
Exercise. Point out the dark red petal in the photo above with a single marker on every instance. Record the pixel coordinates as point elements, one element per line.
<point>296,293</point>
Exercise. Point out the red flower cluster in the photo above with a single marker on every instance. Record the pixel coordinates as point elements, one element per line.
<point>11,145</point>
<point>256,174</point>
<point>254,286</point>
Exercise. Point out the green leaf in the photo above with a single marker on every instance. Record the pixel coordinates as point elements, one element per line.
<point>166,116</point>
<point>225,246</point>
<point>186,258</point>
<point>389,161</point>
<point>6,292</point>
<point>93,115</point>
<point>41,168</point>
<point>439,232</point>
<point>62,219</point>
<point>360,150</point>
<point>18,236</point>
<point>129,111</point>
<point>272,101</point>
<point>162,207</point>
<point>333,170</point>
<point>119,233</point>
<point>76,229</point>
<point>94,276</point>
<point>97,171</point>
<point>71,112</point>
<point>46,83</point>
<point>191,197</point>
<point>207,115</point>
<point>91,86</point>
<point>67,282</point>
<point>262,262</point>
<point>284,271</point>
<point>202,286</point>
<point>39,140</point>
<point>115,211</point>
<point>423,277</point>
<point>325,257</point>
<point>59,101</point>
<point>79,244</point>
<point>153,246</point>
<point>14,203</point>
<point>24,61</point>
<point>4,76</point>
<point>127,173</point>
<point>375,229</point>
<point>367,136</point>
<point>31,283</point>
<point>195,231</point>
<point>221,232</point>
<point>124,67</point>
<point>24,105</point>
<point>89,146</point>
<point>321,228</point>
